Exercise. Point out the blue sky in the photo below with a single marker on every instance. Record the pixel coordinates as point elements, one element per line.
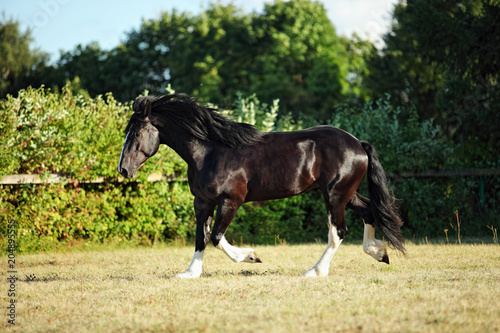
<point>62,24</point>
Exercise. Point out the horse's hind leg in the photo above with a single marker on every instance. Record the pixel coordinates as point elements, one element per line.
<point>336,233</point>
<point>374,247</point>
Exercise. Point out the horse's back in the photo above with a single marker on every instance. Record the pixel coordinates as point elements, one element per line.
<point>325,142</point>
<point>288,163</point>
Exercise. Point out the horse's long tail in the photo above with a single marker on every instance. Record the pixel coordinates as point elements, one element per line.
<point>382,202</point>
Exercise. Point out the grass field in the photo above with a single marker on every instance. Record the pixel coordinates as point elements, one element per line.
<point>435,288</point>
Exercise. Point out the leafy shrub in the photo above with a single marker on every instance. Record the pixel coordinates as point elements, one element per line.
<point>81,138</point>
<point>406,143</point>
<point>297,220</point>
<point>54,216</point>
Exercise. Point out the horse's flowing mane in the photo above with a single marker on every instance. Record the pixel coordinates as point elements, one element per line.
<point>201,122</point>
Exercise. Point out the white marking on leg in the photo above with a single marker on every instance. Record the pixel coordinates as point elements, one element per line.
<point>323,265</point>
<point>123,148</point>
<point>237,254</point>
<point>374,247</point>
<point>194,270</point>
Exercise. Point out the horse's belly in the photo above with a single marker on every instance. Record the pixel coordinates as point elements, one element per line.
<point>283,173</point>
<point>278,186</point>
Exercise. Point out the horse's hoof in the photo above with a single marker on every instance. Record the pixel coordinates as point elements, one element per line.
<point>256,258</point>
<point>310,273</point>
<point>253,258</point>
<point>314,272</point>
<point>385,259</point>
<point>188,275</point>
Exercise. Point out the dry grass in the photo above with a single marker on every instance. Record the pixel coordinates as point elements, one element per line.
<point>435,288</point>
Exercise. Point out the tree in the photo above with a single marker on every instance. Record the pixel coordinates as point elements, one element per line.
<point>298,58</point>
<point>442,56</point>
<point>86,63</point>
<point>21,65</point>
<point>282,53</point>
<point>356,53</point>
<point>400,70</point>
<point>153,51</point>
<point>467,49</point>
<point>290,52</point>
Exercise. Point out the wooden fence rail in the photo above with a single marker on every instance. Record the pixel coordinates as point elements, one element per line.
<point>481,173</point>
<point>55,178</point>
<point>155,177</point>
<point>449,173</point>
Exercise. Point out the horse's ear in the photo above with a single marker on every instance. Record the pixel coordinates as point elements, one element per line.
<point>147,109</point>
<point>142,106</point>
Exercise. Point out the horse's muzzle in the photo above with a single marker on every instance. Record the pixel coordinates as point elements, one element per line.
<point>125,173</point>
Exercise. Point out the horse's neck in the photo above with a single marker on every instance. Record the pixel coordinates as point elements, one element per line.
<point>192,151</point>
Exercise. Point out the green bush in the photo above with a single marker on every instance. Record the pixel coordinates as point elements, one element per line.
<point>46,132</point>
<point>298,219</point>
<point>406,143</point>
<point>79,137</point>
<point>73,135</point>
<point>55,216</point>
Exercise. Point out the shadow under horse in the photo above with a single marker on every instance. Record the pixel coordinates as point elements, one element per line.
<point>232,163</point>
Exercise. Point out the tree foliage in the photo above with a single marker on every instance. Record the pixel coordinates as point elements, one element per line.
<point>20,65</point>
<point>290,51</point>
<point>442,56</point>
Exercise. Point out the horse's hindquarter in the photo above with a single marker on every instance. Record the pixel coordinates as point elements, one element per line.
<point>289,163</point>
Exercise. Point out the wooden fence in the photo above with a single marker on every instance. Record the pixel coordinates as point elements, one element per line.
<point>449,173</point>
<point>55,178</point>
<point>155,177</point>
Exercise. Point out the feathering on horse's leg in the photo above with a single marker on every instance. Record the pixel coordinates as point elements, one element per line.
<point>372,246</point>
<point>204,214</point>
<point>224,217</point>
<point>195,268</point>
<point>236,254</point>
<point>334,239</point>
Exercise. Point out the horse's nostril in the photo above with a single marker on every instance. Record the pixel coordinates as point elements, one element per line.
<point>124,173</point>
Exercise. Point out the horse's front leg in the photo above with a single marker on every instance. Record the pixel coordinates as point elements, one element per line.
<point>204,214</point>
<point>225,214</point>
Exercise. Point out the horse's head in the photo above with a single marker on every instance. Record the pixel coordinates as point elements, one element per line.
<point>142,139</point>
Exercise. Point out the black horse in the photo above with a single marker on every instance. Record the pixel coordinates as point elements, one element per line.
<point>231,163</point>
